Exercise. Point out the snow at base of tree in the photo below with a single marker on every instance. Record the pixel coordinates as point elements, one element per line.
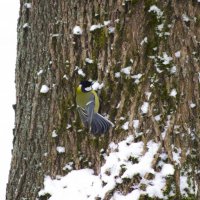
<point>125,160</point>
<point>78,184</point>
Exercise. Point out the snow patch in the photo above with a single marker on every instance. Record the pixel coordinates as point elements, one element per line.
<point>126,70</point>
<point>106,23</point>
<point>145,40</point>
<point>137,78</point>
<point>68,166</point>
<point>77,30</point>
<point>117,74</point>
<point>27,5</point>
<point>157,118</point>
<point>68,126</point>
<point>26,25</point>
<point>55,35</point>
<point>125,160</point>
<point>183,184</point>
<point>134,195</point>
<point>136,123</point>
<point>167,169</point>
<point>95,26</point>
<point>60,149</point>
<point>44,89</point>
<point>77,184</point>
<point>192,105</point>
<point>65,77</point>
<point>173,70</point>
<point>176,156</point>
<point>166,59</point>
<point>156,10</point>
<point>81,73</point>
<point>185,18</point>
<point>97,86</point>
<point>160,27</point>
<point>40,72</point>
<point>88,60</point>
<point>54,134</point>
<point>173,93</point>
<point>145,107</point>
<point>125,126</point>
<point>177,54</point>
<point>111,29</point>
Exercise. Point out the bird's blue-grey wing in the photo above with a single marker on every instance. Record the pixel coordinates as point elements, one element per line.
<point>94,121</point>
<point>100,124</point>
<point>83,115</point>
<point>94,127</point>
<point>90,109</point>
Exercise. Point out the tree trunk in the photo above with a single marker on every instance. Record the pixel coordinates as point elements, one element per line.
<point>148,59</point>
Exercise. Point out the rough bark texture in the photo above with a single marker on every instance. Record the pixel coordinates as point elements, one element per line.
<point>47,43</point>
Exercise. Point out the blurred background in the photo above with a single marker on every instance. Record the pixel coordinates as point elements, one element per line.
<point>9,11</point>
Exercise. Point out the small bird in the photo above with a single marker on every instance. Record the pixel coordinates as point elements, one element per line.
<point>87,102</point>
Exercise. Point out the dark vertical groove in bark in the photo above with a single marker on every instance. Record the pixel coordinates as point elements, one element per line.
<point>47,44</point>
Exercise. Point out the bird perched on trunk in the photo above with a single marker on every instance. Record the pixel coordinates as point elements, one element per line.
<point>88,106</point>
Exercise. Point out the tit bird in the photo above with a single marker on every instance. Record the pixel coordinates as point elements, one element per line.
<point>87,102</point>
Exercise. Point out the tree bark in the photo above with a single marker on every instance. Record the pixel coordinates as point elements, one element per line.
<point>48,53</point>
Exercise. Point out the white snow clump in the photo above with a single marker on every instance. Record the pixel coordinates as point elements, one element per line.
<point>77,30</point>
<point>44,89</point>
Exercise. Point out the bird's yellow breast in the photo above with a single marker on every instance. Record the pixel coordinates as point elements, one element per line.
<point>83,98</point>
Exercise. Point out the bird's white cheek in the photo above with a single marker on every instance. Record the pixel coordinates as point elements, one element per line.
<point>88,89</point>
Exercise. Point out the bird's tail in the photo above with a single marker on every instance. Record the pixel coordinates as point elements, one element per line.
<point>100,124</point>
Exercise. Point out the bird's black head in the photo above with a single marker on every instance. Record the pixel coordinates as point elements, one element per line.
<point>86,86</point>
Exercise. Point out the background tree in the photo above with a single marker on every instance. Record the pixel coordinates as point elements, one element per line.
<point>147,56</point>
